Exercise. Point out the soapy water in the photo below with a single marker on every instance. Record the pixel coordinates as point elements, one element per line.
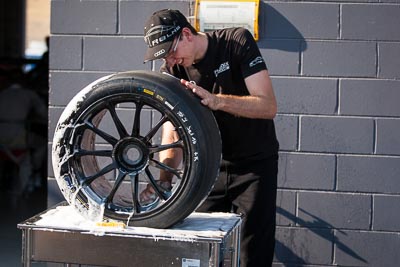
<point>195,226</point>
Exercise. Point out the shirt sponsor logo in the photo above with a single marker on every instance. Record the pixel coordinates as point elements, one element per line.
<point>256,61</point>
<point>223,67</point>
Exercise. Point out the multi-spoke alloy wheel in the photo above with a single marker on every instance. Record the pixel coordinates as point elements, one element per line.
<point>107,146</point>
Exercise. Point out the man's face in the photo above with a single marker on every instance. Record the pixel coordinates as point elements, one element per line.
<point>180,52</point>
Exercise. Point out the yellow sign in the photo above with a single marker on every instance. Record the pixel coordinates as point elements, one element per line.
<point>147,91</point>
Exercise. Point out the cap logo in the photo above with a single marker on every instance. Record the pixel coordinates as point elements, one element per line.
<point>159,53</point>
<point>153,38</point>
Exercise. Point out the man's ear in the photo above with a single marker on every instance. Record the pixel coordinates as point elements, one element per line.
<point>187,33</point>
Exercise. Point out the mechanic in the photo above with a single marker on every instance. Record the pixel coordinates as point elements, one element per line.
<point>226,70</point>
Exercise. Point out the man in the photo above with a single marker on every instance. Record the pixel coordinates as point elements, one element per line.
<point>19,107</point>
<point>231,78</point>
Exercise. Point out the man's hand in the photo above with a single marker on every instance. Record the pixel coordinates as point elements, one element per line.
<point>207,99</point>
<point>149,195</point>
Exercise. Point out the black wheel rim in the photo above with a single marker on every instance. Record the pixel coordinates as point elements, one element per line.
<point>112,169</point>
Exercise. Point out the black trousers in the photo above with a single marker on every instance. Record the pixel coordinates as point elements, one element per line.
<point>249,189</point>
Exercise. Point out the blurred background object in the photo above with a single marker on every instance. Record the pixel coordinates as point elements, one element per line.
<point>24,40</point>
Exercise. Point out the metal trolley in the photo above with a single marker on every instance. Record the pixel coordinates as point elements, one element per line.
<point>60,235</point>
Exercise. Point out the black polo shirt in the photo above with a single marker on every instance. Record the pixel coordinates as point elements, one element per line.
<point>232,55</point>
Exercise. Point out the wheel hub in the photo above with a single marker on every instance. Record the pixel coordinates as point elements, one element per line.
<point>131,155</point>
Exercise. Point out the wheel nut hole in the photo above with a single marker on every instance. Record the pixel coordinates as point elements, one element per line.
<point>132,155</point>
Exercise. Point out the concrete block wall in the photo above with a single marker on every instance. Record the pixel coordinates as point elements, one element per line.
<point>335,67</point>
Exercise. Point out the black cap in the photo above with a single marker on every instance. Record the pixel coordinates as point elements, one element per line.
<point>160,31</point>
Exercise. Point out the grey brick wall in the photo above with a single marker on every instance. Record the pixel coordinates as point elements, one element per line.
<point>335,67</point>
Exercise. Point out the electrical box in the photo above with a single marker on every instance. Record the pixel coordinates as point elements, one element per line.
<point>212,15</point>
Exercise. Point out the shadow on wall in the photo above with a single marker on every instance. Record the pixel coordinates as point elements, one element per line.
<point>280,33</point>
<point>286,255</point>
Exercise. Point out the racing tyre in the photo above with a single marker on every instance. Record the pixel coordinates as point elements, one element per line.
<point>107,145</point>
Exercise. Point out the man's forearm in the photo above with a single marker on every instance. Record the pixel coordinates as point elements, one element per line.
<point>256,107</point>
<point>171,157</point>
